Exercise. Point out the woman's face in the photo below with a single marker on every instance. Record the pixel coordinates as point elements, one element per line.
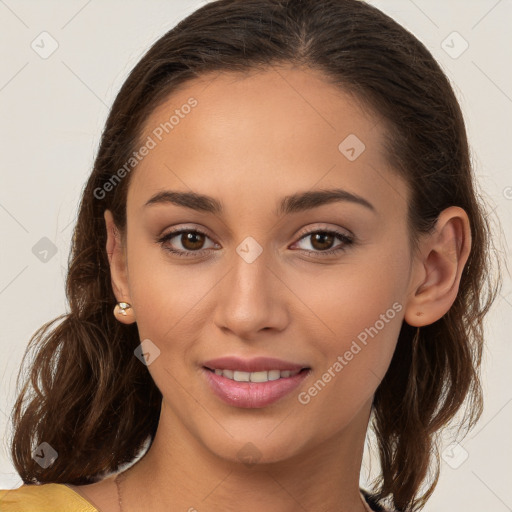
<point>315,282</point>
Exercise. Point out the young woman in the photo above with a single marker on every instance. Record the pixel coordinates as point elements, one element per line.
<point>279,248</point>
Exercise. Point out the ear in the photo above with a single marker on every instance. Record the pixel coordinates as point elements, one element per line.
<point>118,267</point>
<point>438,268</point>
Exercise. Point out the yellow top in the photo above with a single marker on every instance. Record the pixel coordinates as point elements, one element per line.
<point>53,498</point>
<point>43,498</point>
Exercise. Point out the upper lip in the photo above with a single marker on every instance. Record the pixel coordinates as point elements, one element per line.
<point>257,364</point>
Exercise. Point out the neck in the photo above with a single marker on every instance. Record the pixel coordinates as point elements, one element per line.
<point>185,475</point>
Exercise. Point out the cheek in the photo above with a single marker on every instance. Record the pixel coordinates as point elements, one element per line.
<point>164,293</point>
<point>354,356</point>
<point>167,300</point>
<point>348,298</point>
<point>361,312</point>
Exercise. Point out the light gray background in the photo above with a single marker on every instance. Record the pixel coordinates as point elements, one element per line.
<point>52,112</point>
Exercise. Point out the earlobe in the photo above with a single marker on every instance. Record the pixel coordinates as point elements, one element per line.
<point>442,256</point>
<point>118,271</point>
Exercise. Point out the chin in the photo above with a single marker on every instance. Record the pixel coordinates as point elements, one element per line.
<point>256,449</point>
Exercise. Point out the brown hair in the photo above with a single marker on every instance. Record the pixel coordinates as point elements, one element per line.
<point>97,405</point>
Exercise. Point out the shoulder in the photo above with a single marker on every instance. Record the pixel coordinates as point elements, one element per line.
<point>43,498</point>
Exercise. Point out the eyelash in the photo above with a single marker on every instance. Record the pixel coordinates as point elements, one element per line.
<point>347,241</point>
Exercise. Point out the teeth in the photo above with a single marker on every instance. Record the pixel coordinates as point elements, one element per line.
<point>241,376</point>
<point>260,376</point>
<point>274,374</point>
<point>265,376</point>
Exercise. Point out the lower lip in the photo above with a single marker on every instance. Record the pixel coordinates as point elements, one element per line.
<point>252,395</point>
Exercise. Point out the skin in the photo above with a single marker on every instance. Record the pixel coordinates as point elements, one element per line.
<point>251,140</point>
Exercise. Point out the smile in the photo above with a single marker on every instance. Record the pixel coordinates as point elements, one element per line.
<point>253,389</point>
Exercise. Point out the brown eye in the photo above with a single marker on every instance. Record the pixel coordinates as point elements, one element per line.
<point>322,241</point>
<point>192,240</point>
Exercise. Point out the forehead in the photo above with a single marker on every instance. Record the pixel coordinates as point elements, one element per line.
<point>282,129</point>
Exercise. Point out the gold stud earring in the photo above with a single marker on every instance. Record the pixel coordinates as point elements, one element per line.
<point>121,308</point>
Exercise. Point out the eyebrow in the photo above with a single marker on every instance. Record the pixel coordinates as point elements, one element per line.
<point>294,203</point>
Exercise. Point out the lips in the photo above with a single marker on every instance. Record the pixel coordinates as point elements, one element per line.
<point>253,383</point>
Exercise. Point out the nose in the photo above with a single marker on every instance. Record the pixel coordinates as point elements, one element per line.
<point>252,297</point>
